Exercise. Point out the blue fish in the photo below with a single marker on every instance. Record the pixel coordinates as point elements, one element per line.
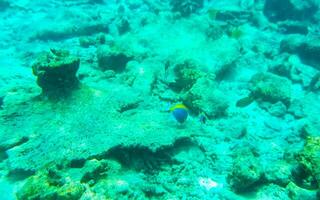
<point>179,112</point>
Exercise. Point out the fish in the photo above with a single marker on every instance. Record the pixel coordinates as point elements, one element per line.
<point>179,112</point>
<point>243,102</point>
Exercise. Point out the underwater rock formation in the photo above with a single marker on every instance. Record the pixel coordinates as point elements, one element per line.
<point>292,67</point>
<point>308,49</point>
<point>293,27</point>
<point>187,7</point>
<point>270,87</point>
<point>205,97</point>
<point>289,9</point>
<point>112,59</point>
<point>56,72</point>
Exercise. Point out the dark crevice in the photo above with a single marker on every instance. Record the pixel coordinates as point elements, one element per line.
<point>77,163</point>
<point>10,145</point>
<point>142,158</point>
<point>19,174</point>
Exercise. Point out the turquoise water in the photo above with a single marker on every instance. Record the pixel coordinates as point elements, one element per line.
<point>150,99</point>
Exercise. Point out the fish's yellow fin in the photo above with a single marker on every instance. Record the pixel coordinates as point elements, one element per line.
<point>180,105</point>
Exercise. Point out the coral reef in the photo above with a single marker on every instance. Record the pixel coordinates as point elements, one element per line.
<point>113,137</point>
<point>56,72</point>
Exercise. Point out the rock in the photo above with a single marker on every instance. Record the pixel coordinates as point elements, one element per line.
<point>56,33</point>
<point>186,7</point>
<point>308,49</point>
<point>291,67</point>
<point>143,76</point>
<point>112,59</point>
<point>273,191</point>
<point>205,97</point>
<point>214,31</point>
<point>56,72</point>
<point>245,173</point>
<point>235,17</point>
<point>292,43</point>
<point>297,108</point>
<point>270,87</point>
<point>8,144</point>
<point>278,173</point>
<point>93,171</point>
<point>297,193</point>
<point>87,41</point>
<point>277,109</point>
<point>293,27</point>
<point>290,9</point>
<point>310,129</point>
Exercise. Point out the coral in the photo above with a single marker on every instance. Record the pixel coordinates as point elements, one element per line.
<point>111,59</point>
<point>56,72</point>
<point>205,97</point>
<point>270,87</point>
<point>49,184</point>
<point>70,191</point>
<point>186,75</point>
<point>246,172</point>
<point>187,7</point>
<point>309,160</point>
